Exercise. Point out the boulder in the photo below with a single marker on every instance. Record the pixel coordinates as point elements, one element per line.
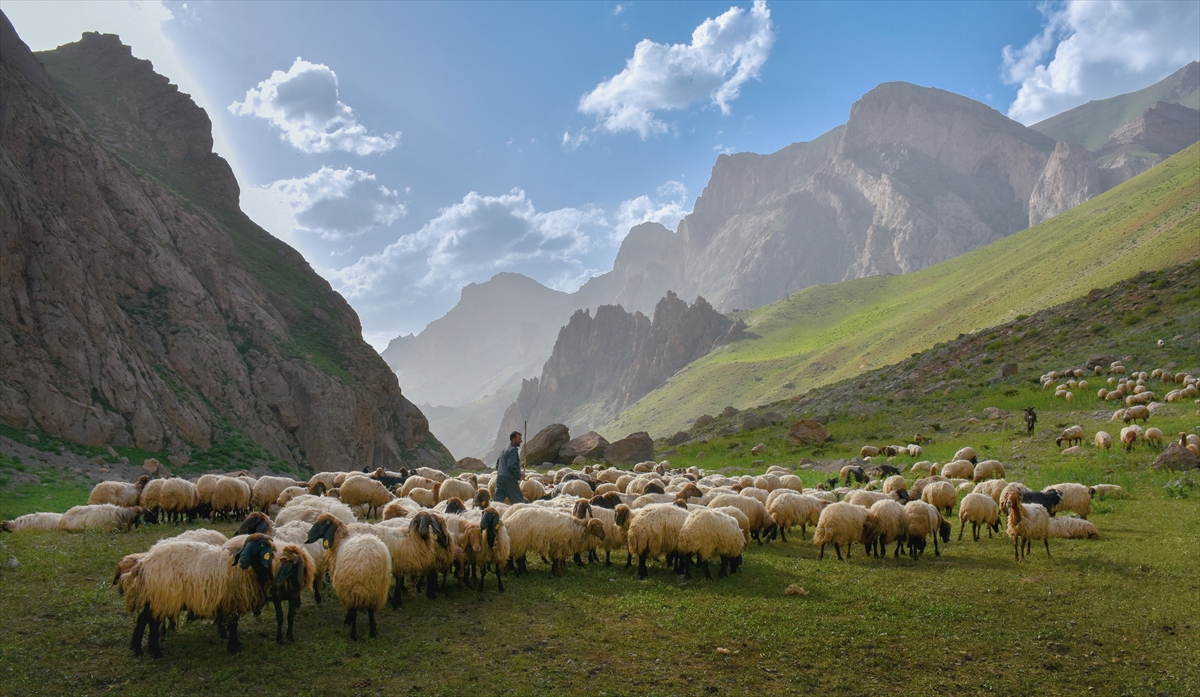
<point>704,420</point>
<point>178,460</point>
<point>590,446</point>
<point>471,464</point>
<point>1176,457</point>
<point>807,432</point>
<point>636,447</point>
<point>151,466</point>
<point>1006,369</point>
<point>760,449</point>
<point>579,460</point>
<point>995,413</point>
<point>772,417</point>
<point>729,413</point>
<point>679,438</point>
<point>544,446</point>
<point>1073,451</point>
<point>752,421</point>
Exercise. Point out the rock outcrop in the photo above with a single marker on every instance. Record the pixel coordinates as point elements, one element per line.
<point>589,446</point>
<point>1070,178</point>
<point>630,450</point>
<point>1137,145</point>
<point>545,444</point>
<point>140,307</point>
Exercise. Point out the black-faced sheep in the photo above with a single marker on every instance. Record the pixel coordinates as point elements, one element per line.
<point>360,568</point>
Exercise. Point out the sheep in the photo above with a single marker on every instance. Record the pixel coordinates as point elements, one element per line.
<point>1072,435</point>
<point>360,568</point>
<point>325,479</point>
<point>496,548</point>
<point>895,483</point>
<point>532,489</point>
<point>230,497</point>
<point>791,482</point>
<point>988,469</point>
<point>149,498</point>
<point>177,498</point>
<point>294,574</point>
<point>1103,440</point>
<point>886,523</point>
<point>1137,412</point>
<point>1026,522</point>
<point>981,511</point>
<point>1030,420</point>
<point>790,509</point>
<point>855,471</point>
<point>654,532</point>
<point>940,495</point>
<point>292,492</point>
<point>359,491</point>
<point>296,533</point>
<point>761,524</point>
<point>121,494</point>
<point>707,533</point>
<point>212,537</point>
<point>1105,490</point>
<point>914,450</point>
<point>755,493</point>
<point>966,453</point>
<point>456,488</point>
<point>199,576</point>
<point>866,498</point>
<point>1076,498</point>
<point>415,482</point>
<point>1129,436</point>
<point>32,521</point>
<point>1073,528</point>
<point>554,534</point>
<point>414,547</point>
<point>104,516</point>
<point>577,487</point>
<point>1154,435</point>
<point>839,524</point>
<point>1049,499</point>
<point>309,508</point>
<point>267,489</point>
<point>923,521</point>
<point>868,451</point>
<point>991,487</point>
<point>425,498</point>
<point>960,467</point>
<point>431,474</point>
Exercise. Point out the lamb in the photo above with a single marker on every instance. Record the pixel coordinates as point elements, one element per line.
<point>761,523</point>
<point>358,491</point>
<point>1076,498</point>
<point>1026,522</point>
<point>555,535</point>
<point>839,524</point>
<point>177,498</point>
<point>790,509</point>
<point>104,516</point>
<point>360,568</point>
<point>886,522</point>
<point>1073,528</point>
<point>294,574</point>
<point>121,494</point>
<point>32,521</point>
<point>959,468</point>
<point>1103,440</point>
<point>980,510</point>
<point>707,533</point>
<point>615,528</point>
<point>1072,435</point>
<point>924,520</point>
<point>654,532</point>
<point>940,495</point>
<point>184,573</point>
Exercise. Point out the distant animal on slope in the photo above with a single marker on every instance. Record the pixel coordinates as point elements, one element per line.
<point>1030,420</point>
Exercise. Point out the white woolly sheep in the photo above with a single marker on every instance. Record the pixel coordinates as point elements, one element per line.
<point>32,521</point>
<point>790,509</point>
<point>886,523</point>
<point>230,497</point>
<point>707,533</point>
<point>121,494</point>
<point>988,469</point>
<point>177,498</point>
<point>1072,435</point>
<point>456,488</point>
<point>960,468</point>
<point>267,489</point>
<point>768,482</point>
<point>791,482</point>
<point>360,569</point>
<point>965,453</point>
<point>577,488</point>
<point>1130,436</point>
<point>866,499</point>
<point>309,508</point>
<point>104,516</point>
<point>895,483</point>
<point>654,532</point>
<point>980,510</point>
<point>1103,440</point>
<point>1076,498</point>
<point>761,524</point>
<point>991,487</point>
<point>940,495</point>
<point>839,524</point>
<point>923,521</point>
<point>532,490</point>
<point>868,451</point>
<point>149,498</point>
<point>1136,412</point>
<point>413,545</point>
<point>1154,435</point>
<point>358,491</point>
<point>1073,528</point>
<point>1026,522</point>
<point>553,534</point>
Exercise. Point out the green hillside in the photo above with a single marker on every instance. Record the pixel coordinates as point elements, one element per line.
<point>1092,123</point>
<point>827,333</point>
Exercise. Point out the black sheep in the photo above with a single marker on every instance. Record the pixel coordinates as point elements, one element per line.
<point>1030,419</point>
<point>1048,499</point>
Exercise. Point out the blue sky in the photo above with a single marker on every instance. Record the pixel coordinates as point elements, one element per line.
<point>407,149</point>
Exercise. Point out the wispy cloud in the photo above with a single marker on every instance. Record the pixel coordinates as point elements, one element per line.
<point>1093,50</point>
<point>724,54</point>
<point>339,203</point>
<point>303,104</point>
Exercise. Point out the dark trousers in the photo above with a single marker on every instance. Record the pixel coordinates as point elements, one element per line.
<point>508,489</point>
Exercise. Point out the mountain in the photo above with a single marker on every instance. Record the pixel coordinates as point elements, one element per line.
<point>603,364</point>
<point>827,333</point>
<point>1091,124</point>
<point>141,308</point>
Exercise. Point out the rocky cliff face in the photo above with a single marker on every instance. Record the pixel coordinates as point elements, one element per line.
<point>1137,145</point>
<point>1070,178</point>
<point>139,307</point>
<point>602,364</point>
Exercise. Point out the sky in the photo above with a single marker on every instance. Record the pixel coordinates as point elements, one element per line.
<point>408,149</point>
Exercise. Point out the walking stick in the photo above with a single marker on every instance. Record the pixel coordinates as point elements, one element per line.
<point>524,449</point>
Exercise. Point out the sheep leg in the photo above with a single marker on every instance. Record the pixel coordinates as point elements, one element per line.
<point>707,574</point>
<point>821,553</point>
<point>628,559</point>
<point>578,560</point>
<point>352,620</point>
<point>804,531</point>
<point>1016,548</point>
<point>431,585</point>
<point>962,527</point>
<point>1047,542</point>
<point>896,554</point>
<point>499,579</point>
<point>838,548</point>
<point>687,568</point>
<point>396,593</point>
<point>138,630</point>
<point>317,589</point>
<point>642,565</point>
<point>278,621</point>
<point>783,534</point>
<point>483,575</point>
<point>608,557</point>
<point>219,620</point>
<point>937,552</point>
<point>293,605</point>
<point>155,649</point>
<point>234,645</point>
<point>371,622</point>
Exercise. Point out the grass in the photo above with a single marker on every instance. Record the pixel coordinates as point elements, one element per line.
<point>828,333</point>
<point>53,490</point>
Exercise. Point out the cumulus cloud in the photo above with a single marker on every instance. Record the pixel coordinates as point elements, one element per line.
<point>1094,50</point>
<point>724,53</point>
<point>339,203</point>
<point>668,208</point>
<point>303,104</point>
<point>478,237</point>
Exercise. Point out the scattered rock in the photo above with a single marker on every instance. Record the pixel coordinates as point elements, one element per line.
<point>995,413</point>
<point>590,445</point>
<point>112,452</point>
<point>757,379</point>
<point>103,470</point>
<point>1073,451</point>
<point>670,452</point>
<point>151,466</point>
<point>12,562</point>
<point>1006,369</point>
<point>789,385</point>
<point>760,449</point>
<point>471,464</point>
<point>635,447</point>
<point>722,650</point>
<point>704,420</point>
<point>579,460</point>
<point>752,421</point>
<point>772,417</point>
<point>1176,457</point>
<point>757,463</point>
<point>178,460</point>
<point>729,413</point>
<point>795,589</point>
<point>807,432</point>
<point>972,420</point>
<point>679,438</point>
<point>544,446</point>
<point>32,438</point>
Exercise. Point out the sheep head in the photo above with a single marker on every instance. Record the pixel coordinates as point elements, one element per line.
<point>325,529</point>
<point>454,505</point>
<point>595,528</point>
<point>258,554</point>
<point>294,572</point>
<point>256,522</point>
<point>654,488</point>
<point>582,510</point>
<point>490,524</point>
<point>482,499</point>
<point>622,515</point>
<point>945,528</point>
<point>472,538</point>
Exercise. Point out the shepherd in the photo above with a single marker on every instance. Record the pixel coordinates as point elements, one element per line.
<point>508,471</point>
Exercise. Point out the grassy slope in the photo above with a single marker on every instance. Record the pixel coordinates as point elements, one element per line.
<point>828,333</point>
<point>1092,123</point>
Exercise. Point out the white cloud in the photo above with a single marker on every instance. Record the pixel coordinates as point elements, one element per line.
<point>1097,50</point>
<point>668,209</point>
<point>475,239</point>
<point>621,7</point>
<point>338,203</point>
<point>724,53</point>
<point>303,104</point>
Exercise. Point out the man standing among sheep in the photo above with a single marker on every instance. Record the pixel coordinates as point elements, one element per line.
<point>508,471</point>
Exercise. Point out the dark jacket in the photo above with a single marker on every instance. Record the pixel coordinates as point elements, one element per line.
<point>508,465</point>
